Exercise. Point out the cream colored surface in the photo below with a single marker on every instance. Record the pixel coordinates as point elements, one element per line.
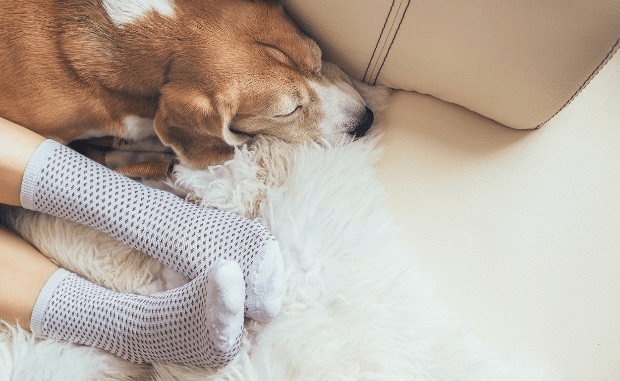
<point>521,229</point>
<point>517,62</point>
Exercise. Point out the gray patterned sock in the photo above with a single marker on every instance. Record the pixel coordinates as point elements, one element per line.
<point>200,323</point>
<point>189,239</point>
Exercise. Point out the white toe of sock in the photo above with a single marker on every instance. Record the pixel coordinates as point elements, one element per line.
<point>226,292</point>
<point>266,289</point>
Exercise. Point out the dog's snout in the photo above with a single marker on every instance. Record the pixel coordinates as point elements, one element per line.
<point>363,124</point>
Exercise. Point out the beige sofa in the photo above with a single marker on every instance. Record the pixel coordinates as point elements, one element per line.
<point>521,228</point>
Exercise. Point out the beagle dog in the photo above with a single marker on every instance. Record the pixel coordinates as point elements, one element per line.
<point>203,75</point>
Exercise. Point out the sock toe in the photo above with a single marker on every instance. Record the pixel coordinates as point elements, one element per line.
<point>266,290</point>
<point>226,294</point>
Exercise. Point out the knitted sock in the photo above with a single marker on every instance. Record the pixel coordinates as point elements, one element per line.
<point>189,239</point>
<point>200,323</point>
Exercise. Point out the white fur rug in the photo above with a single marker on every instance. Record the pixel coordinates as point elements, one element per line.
<point>356,308</point>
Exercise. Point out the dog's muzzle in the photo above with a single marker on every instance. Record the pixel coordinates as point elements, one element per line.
<point>363,124</point>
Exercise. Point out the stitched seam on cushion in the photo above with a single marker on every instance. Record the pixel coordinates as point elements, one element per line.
<point>381,56</point>
<point>387,18</point>
<point>392,43</point>
<point>611,53</point>
<point>386,39</point>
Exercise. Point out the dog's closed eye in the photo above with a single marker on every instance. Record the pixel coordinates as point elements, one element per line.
<point>295,110</point>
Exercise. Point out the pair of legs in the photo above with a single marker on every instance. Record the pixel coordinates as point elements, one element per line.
<point>234,265</point>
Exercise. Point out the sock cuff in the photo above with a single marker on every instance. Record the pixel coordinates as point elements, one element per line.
<point>45,295</point>
<point>35,165</point>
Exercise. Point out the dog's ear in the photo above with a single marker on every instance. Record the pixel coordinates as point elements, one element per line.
<point>197,127</point>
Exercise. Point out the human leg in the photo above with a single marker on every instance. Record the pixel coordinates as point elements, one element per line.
<point>199,323</point>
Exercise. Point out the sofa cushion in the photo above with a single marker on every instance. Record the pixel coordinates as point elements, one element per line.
<point>517,63</point>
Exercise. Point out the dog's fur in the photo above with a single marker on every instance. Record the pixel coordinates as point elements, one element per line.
<point>204,75</point>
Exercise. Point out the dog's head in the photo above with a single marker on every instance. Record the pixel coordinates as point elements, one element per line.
<point>249,70</point>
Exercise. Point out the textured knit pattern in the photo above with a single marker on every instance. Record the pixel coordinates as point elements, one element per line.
<point>60,182</point>
<point>179,326</point>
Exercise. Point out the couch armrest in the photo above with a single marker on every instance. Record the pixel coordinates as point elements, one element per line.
<point>517,63</point>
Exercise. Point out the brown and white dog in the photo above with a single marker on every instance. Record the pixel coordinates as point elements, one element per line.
<point>204,75</point>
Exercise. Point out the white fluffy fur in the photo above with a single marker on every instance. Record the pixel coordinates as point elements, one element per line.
<point>22,358</point>
<point>356,306</point>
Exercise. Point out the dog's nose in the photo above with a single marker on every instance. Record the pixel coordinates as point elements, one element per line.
<point>363,124</point>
